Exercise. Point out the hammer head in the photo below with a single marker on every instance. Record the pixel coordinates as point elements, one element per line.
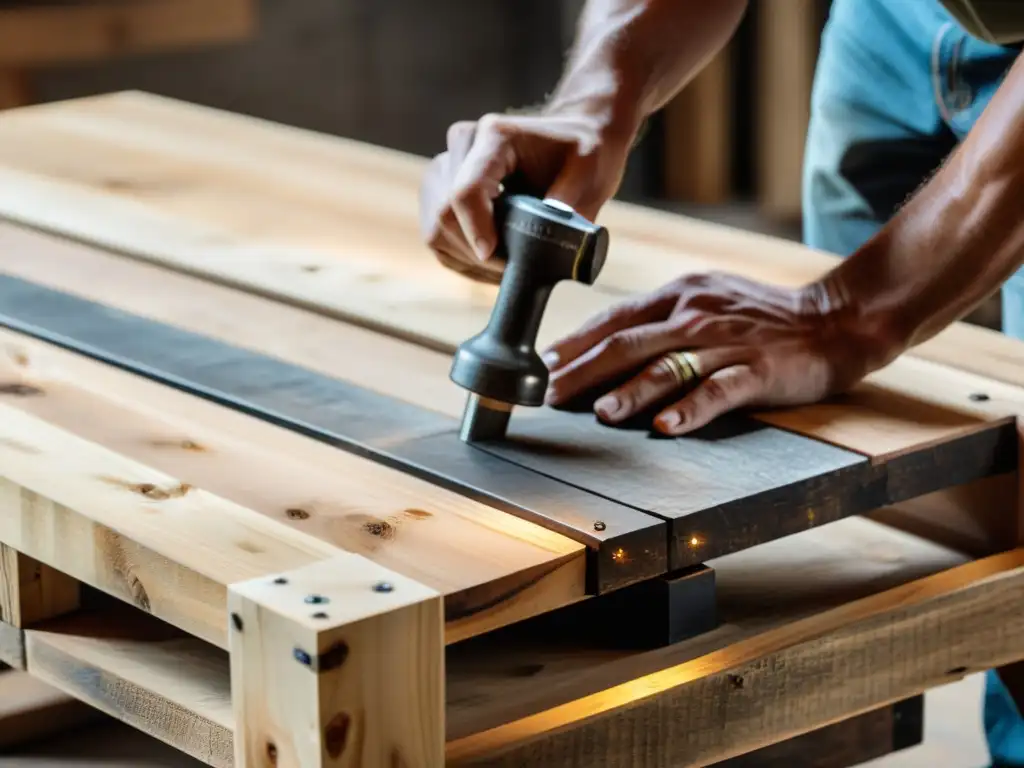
<point>542,243</point>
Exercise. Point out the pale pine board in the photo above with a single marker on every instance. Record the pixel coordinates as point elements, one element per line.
<point>497,567</point>
<point>330,224</point>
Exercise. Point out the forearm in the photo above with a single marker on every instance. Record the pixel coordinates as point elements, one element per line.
<point>952,245</point>
<point>631,56</point>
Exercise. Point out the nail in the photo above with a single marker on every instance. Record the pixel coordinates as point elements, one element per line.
<point>608,406</point>
<point>666,422</point>
<point>550,358</point>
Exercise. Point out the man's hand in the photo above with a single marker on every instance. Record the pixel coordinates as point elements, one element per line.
<point>755,345</point>
<point>629,58</point>
<point>571,156</point>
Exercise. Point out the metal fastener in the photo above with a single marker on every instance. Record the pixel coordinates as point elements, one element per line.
<point>383,586</point>
<point>599,526</point>
<point>978,397</point>
<point>316,599</point>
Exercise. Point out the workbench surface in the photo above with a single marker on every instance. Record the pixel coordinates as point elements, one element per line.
<point>864,549</point>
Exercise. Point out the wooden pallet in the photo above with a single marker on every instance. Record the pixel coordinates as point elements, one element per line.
<point>255,596</point>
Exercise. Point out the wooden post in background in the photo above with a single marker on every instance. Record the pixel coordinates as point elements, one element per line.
<point>787,34</point>
<point>698,136</point>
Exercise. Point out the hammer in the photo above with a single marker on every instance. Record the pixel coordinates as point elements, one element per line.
<point>542,243</point>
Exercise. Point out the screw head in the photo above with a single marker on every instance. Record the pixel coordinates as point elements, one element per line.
<point>978,397</point>
<point>237,621</point>
<point>316,599</point>
<point>319,615</point>
<point>302,657</point>
<point>280,580</point>
<point>383,586</point>
<point>599,526</point>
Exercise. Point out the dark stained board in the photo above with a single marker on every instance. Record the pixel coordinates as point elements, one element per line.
<point>738,482</point>
<point>643,505</point>
<point>344,415</point>
<point>844,744</point>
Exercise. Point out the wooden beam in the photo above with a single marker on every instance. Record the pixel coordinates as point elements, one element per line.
<point>493,568</point>
<point>108,173</point>
<point>153,540</point>
<point>29,592</point>
<point>176,687</point>
<point>44,34</point>
<point>338,663</point>
<point>880,649</point>
<point>901,413</point>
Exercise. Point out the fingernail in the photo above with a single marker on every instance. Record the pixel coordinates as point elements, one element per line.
<point>550,358</point>
<point>608,406</point>
<point>482,249</point>
<point>666,422</point>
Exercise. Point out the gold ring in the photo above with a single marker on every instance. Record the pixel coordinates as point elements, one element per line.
<point>683,366</point>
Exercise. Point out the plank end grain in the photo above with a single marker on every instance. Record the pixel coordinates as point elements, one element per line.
<point>340,662</point>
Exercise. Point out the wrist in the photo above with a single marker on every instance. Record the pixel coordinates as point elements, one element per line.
<point>868,332</point>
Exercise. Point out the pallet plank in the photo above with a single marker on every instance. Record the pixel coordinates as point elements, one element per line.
<point>787,483</point>
<point>44,34</point>
<point>881,648</point>
<point>130,665</point>
<point>355,678</point>
<point>155,541</point>
<point>179,185</point>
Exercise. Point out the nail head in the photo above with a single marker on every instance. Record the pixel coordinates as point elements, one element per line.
<point>979,397</point>
<point>383,586</point>
<point>316,599</point>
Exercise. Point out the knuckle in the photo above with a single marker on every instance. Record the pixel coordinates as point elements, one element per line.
<point>715,390</point>
<point>492,123</point>
<point>622,342</point>
<point>459,132</point>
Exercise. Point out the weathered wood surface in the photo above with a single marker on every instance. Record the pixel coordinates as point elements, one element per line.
<point>712,507</point>
<point>176,688</point>
<point>355,678</point>
<point>878,649</point>
<point>202,191</point>
<point>494,568</point>
<point>29,592</point>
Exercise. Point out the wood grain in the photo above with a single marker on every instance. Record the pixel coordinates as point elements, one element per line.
<point>882,648</point>
<point>841,745</point>
<point>38,34</point>
<point>176,688</point>
<point>494,567</point>
<point>132,531</point>
<point>130,666</point>
<point>355,679</point>
<point>182,186</point>
<point>788,482</point>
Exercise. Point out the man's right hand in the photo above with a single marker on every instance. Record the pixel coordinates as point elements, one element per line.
<point>570,157</point>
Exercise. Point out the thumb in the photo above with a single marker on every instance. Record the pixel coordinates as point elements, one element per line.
<point>581,185</point>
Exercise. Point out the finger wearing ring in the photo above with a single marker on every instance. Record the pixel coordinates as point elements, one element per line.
<point>684,367</point>
<point>670,376</point>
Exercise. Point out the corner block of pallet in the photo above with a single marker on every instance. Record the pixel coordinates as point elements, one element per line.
<point>340,662</point>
